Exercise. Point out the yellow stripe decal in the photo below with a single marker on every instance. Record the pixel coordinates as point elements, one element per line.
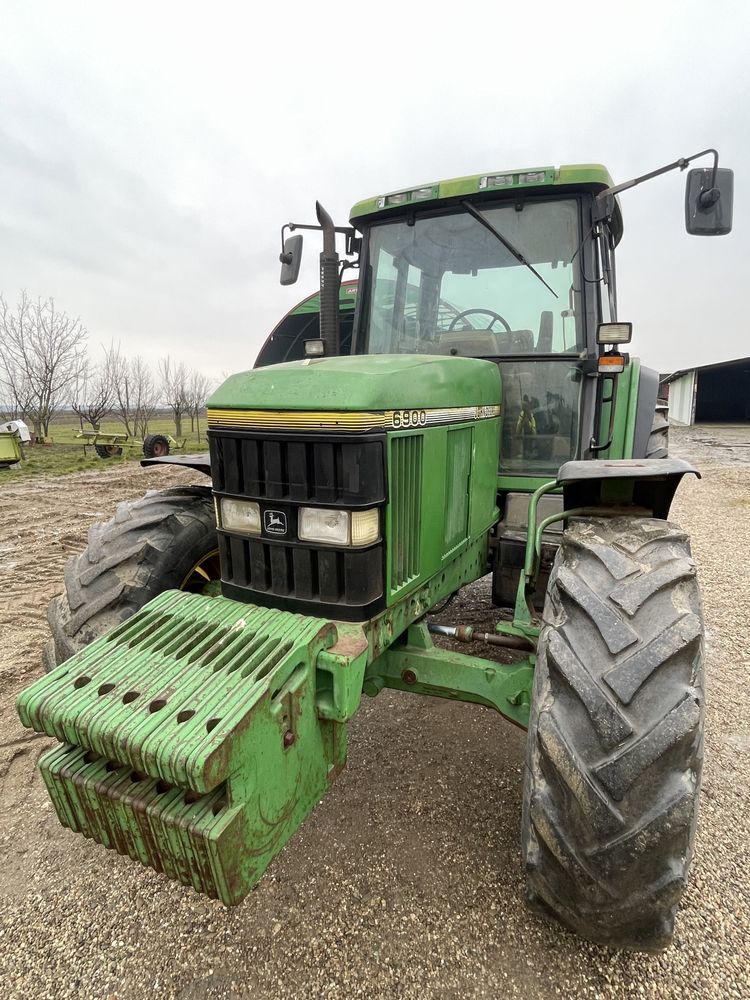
<point>343,420</point>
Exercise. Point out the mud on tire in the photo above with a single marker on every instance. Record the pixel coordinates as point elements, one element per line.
<point>615,735</point>
<point>149,546</point>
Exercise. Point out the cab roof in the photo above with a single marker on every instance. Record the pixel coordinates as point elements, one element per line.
<point>591,176</point>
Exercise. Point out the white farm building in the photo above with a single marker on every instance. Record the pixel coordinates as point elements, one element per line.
<point>709,394</point>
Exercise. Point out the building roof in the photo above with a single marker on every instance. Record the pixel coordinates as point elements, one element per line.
<point>703,368</point>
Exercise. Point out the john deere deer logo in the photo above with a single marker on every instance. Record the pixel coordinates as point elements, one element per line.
<point>274,521</point>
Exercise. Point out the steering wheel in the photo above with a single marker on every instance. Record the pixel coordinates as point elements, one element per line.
<point>496,317</point>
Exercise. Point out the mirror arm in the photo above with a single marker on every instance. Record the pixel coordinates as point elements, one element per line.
<point>349,231</point>
<point>604,198</point>
<point>291,226</point>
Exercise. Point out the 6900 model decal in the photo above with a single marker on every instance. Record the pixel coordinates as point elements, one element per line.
<point>409,418</point>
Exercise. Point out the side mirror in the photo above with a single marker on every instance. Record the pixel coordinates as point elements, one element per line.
<point>291,258</point>
<point>708,206</point>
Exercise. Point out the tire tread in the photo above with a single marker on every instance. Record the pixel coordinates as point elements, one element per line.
<point>140,552</point>
<point>615,734</point>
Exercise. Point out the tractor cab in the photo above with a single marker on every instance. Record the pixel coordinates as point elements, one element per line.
<point>493,267</point>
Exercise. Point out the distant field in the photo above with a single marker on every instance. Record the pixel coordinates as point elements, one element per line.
<point>66,454</point>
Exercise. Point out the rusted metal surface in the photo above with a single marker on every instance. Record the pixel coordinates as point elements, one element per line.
<point>466,633</point>
<point>190,738</point>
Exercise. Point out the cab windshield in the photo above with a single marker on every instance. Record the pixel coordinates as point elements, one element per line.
<point>448,285</point>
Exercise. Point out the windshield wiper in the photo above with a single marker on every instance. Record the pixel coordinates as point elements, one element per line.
<point>483,221</point>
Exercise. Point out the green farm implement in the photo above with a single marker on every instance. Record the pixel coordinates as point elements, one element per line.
<point>13,435</point>
<point>113,445</point>
<point>482,419</point>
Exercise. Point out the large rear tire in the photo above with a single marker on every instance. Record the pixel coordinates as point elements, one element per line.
<point>616,733</point>
<point>162,541</point>
<point>658,439</point>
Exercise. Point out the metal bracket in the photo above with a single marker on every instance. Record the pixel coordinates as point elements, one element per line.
<point>415,664</point>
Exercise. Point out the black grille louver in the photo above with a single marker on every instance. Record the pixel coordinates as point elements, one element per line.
<point>327,576</point>
<point>345,473</point>
<point>285,472</point>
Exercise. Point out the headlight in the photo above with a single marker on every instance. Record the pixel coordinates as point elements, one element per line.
<point>240,515</point>
<point>338,527</point>
<point>318,525</point>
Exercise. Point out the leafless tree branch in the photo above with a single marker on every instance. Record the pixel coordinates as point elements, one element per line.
<point>174,390</point>
<point>199,387</point>
<point>42,355</point>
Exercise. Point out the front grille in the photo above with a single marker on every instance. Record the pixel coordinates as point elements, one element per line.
<point>301,469</point>
<point>282,473</point>
<point>344,577</point>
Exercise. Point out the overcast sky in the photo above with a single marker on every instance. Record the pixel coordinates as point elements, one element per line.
<point>149,152</point>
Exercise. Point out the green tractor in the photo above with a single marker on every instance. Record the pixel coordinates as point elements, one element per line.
<point>214,642</point>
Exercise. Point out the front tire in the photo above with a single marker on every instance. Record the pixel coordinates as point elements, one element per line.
<point>615,744</point>
<point>162,541</point>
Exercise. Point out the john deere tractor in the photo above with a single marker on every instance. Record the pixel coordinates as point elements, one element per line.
<point>213,642</point>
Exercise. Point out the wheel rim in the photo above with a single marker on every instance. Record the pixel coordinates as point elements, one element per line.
<point>114,450</point>
<point>160,449</point>
<point>205,572</point>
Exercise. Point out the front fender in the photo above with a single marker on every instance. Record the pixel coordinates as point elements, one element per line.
<point>650,483</point>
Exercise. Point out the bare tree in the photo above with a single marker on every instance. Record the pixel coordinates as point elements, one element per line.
<point>135,391</point>
<point>145,395</point>
<point>93,394</point>
<point>16,391</point>
<point>199,387</point>
<point>42,354</point>
<point>174,390</point>
<point>119,366</point>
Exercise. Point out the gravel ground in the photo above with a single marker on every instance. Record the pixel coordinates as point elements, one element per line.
<point>405,882</point>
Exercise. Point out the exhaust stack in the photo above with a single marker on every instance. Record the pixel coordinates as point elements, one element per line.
<point>329,284</point>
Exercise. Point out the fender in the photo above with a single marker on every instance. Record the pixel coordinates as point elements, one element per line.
<point>649,483</point>
<point>200,461</point>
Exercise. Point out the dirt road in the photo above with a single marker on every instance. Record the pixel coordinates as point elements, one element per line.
<point>406,880</point>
